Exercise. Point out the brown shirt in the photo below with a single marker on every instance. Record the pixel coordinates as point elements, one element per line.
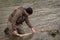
<point>18,17</point>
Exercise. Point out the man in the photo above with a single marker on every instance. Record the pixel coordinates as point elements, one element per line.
<point>17,18</point>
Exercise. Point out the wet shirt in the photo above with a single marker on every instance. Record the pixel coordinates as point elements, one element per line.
<point>18,17</point>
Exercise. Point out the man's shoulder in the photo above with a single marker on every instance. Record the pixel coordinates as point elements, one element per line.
<point>20,9</point>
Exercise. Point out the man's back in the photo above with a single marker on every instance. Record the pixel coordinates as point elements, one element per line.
<point>15,14</point>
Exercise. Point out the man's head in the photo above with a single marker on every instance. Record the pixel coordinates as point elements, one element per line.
<point>29,11</point>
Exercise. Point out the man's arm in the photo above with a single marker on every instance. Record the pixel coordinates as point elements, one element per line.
<point>28,23</point>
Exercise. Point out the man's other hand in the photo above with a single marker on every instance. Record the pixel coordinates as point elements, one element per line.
<point>14,32</point>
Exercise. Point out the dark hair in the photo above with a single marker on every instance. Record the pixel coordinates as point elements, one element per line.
<point>29,10</point>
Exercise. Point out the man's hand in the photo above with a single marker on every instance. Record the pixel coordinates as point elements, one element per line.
<point>33,30</point>
<point>14,32</point>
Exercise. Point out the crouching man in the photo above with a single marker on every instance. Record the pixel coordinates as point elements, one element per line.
<point>17,18</point>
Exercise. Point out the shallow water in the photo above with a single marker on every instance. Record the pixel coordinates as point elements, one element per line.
<point>46,15</point>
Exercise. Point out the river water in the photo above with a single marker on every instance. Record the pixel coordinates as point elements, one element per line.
<point>46,15</point>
